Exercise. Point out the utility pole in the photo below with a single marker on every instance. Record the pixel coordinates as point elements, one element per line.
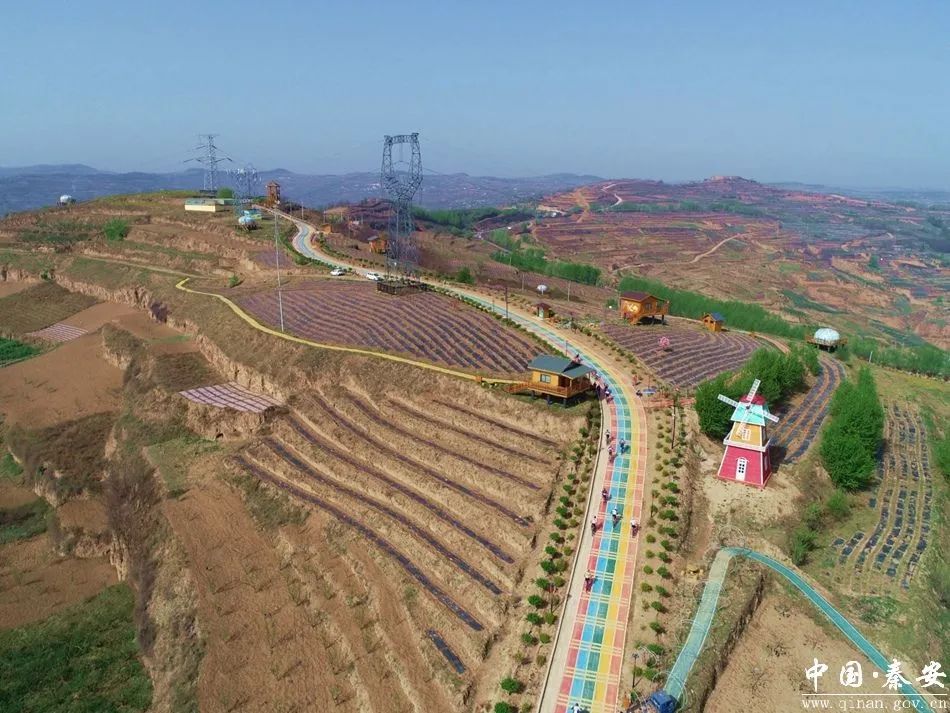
<point>280,296</point>
<point>568,291</point>
<point>506,301</point>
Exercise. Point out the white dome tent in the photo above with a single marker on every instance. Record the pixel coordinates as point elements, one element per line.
<point>826,338</point>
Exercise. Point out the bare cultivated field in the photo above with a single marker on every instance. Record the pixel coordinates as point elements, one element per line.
<point>35,582</point>
<point>11,288</point>
<point>94,317</point>
<point>66,383</point>
<point>768,663</point>
<point>39,306</point>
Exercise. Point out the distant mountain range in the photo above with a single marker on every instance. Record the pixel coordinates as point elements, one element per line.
<point>925,196</point>
<point>30,187</point>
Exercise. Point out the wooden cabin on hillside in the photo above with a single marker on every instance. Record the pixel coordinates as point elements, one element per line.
<point>556,376</point>
<point>378,244</point>
<point>714,321</point>
<point>637,306</point>
<point>273,194</point>
<point>544,310</point>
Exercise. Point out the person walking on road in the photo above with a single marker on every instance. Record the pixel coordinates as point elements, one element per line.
<point>593,526</point>
<point>616,515</point>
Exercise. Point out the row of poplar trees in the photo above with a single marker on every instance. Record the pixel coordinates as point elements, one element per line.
<point>853,434</point>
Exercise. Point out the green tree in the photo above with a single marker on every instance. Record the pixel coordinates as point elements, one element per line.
<point>846,458</point>
<point>714,415</point>
<point>116,229</point>
<point>225,193</point>
<point>464,275</point>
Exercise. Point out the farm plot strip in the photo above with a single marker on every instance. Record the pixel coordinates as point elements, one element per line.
<point>905,499</point>
<point>371,413</point>
<point>58,333</point>
<point>312,473</point>
<point>498,422</point>
<point>454,661</point>
<point>323,444</point>
<point>230,396</point>
<point>371,535</point>
<point>443,425</point>
<point>799,427</point>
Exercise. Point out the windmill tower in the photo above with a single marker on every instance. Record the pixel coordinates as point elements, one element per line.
<point>746,459</point>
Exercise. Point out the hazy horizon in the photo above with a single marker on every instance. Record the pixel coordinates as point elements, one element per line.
<point>840,95</point>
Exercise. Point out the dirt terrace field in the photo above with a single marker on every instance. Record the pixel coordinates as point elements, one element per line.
<point>440,488</point>
<point>428,326</point>
<point>694,355</point>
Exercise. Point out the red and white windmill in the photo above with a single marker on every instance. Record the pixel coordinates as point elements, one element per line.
<point>746,459</point>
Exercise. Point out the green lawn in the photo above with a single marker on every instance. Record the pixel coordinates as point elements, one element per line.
<point>81,660</point>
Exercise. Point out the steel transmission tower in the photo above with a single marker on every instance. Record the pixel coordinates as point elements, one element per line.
<point>245,179</point>
<point>400,182</point>
<point>209,160</point>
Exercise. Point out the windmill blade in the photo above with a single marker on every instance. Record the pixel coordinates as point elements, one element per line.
<point>727,400</point>
<point>770,417</point>
<point>755,387</point>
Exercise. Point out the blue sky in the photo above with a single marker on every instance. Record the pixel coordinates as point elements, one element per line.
<point>833,92</point>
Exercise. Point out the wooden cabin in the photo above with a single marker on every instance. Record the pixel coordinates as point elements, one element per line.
<point>714,321</point>
<point>273,194</point>
<point>557,376</point>
<point>378,244</point>
<point>637,306</point>
<point>544,310</point>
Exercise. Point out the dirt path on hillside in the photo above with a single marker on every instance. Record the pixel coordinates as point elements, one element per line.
<point>709,252</point>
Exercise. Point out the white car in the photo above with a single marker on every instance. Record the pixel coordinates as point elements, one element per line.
<point>375,276</point>
<point>337,271</point>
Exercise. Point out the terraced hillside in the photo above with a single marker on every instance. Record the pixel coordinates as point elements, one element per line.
<point>694,354</point>
<point>445,498</point>
<point>426,326</point>
<point>806,255</point>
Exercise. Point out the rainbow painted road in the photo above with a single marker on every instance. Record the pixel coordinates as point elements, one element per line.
<point>593,649</point>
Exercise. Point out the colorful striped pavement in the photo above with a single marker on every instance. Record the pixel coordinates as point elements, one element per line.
<point>591,677</point>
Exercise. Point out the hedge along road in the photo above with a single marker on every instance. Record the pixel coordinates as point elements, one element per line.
<point>587,659</point>
<point>706,611</point>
